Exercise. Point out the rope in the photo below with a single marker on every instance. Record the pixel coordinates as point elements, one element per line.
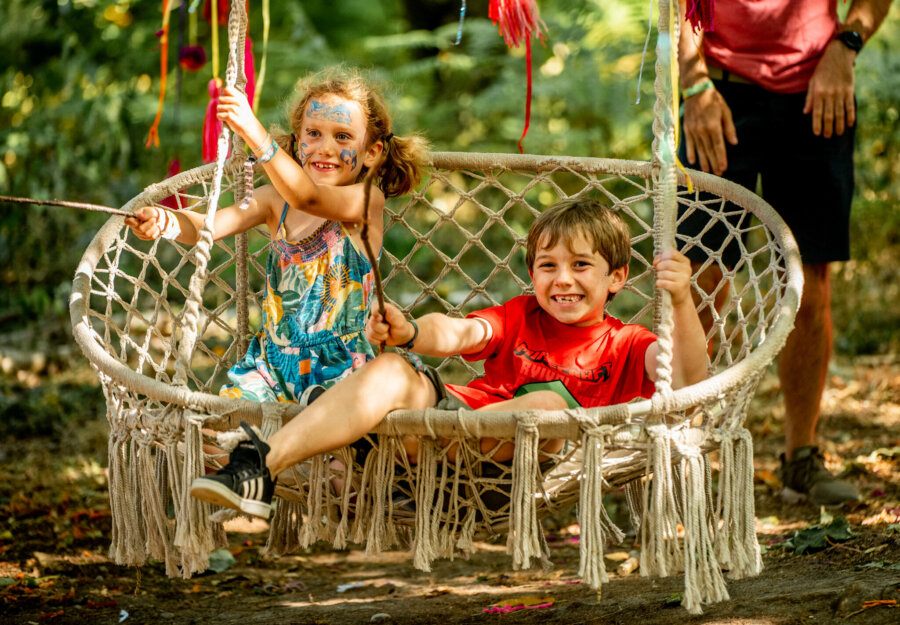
<point>237,21</point>
<point>665,188</point>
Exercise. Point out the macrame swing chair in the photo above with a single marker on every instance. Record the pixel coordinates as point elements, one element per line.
<point>161,324</point>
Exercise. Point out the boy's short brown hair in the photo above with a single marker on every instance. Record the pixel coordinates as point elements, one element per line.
<point>600,225</point>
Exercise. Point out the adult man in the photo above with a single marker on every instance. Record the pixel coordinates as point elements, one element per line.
<point>774,79</point>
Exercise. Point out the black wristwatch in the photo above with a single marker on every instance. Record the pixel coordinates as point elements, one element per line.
<point>851,39</point>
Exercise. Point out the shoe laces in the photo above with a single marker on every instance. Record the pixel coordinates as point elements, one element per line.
<point>244,455</point>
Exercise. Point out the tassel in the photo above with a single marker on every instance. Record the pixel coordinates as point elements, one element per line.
<point>312,529</point>
<point>703,581</point>
<point>212,127</point>
<point>380,493</point>
<point>700,14</point>
<point>192,58</point>
<point>163,33</point>
<point>216,10</point>
<point>526,537</point>
<point>736,545</point>
<point>517,20</point>
<point>285,528</point>
<point>249,71</point>
<point>172,201</point>
<point>426,476</point>
<point>590,503</point>
<point>660,553</point>
<point>193,534</point>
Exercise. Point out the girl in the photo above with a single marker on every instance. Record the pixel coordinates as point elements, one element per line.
<point>318,278</point>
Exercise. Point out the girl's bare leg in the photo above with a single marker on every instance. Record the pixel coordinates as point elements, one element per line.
<point>349,409</point>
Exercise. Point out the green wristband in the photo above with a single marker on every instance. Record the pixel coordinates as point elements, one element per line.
<point>700,87</point>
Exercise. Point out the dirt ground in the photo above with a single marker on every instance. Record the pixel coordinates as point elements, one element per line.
<point>54,524</point>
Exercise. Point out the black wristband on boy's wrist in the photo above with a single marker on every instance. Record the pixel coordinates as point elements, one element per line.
<point>410,342</point>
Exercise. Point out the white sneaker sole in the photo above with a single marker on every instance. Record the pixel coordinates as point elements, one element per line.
<point>220,495</point>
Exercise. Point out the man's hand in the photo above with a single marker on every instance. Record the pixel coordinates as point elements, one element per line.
<point>390,327</point>
<point>830,94</point>
<point>707,124</point>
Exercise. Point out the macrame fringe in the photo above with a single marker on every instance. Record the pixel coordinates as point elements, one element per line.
<point>660,552</point>
<point>736,545</point>
<point>193,533</point>
<point>342,531</point>
<point>590,504</point>
<point>525,539</point>
<point>703,580</point>
<point>424,540</point>
<point>285,528</point>
<point>316,501</point>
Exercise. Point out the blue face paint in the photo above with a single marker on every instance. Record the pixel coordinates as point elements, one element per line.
<point>304,155</point>
<point>349,157</point>
<point>339,113</point>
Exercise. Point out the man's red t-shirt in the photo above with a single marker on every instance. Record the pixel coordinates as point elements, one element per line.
<point>774,43</point>
<point>600,365</point>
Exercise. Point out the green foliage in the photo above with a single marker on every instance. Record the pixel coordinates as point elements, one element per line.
<point>80,82</point>
<point>819,537</point>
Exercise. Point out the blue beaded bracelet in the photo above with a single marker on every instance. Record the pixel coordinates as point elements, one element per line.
<point>409,343</point>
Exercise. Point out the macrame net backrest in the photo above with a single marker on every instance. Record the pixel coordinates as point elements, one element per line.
<point>162,323</point>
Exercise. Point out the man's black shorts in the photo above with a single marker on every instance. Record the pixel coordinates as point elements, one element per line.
<point>807,179</point>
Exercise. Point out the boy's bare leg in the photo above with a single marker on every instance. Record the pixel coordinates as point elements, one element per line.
<point>349,409</point>
<point>539,400</point>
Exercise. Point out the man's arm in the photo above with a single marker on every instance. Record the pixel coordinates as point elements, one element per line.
<point>707,118</point>
<point>830,94</point>
<point>437,334</point>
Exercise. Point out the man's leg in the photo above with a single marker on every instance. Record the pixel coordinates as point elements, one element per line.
<point>803,364</point>
<point>802,370</point>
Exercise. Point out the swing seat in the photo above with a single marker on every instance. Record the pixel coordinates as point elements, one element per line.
<point>453,246</point>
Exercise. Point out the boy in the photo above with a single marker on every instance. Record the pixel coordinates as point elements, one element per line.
<point>551,350</point>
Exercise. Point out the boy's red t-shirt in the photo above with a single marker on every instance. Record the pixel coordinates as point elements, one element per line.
<point>600,365</point>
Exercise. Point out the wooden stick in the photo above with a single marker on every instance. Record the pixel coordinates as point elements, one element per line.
<point>80,205</point>
<point>364,235</point>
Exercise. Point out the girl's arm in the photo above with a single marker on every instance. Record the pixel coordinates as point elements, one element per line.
<point>689,357</point>
<point>152,222</point>
<point>339,203</point>
<point>438,334</point>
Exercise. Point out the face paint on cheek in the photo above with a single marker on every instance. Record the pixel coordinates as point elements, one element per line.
<point>304,154</point>
<point>349,157</point>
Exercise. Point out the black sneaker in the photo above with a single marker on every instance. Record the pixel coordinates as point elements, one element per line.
<point>805,477</point>
<point>244,483</point>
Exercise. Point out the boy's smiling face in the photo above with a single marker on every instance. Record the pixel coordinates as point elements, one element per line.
<point>332,141</point>
<point>572,281</point>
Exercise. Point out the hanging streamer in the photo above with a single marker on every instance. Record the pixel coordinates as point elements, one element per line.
<point>700,14</point>
<point>261,78</point>
<point>517,20</point>
<point>212,126</point>
<point>153,135</point>
<point>462,17</point>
